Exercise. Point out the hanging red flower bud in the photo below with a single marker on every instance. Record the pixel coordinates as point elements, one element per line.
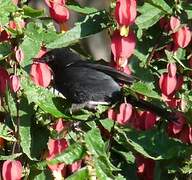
<point>75,166</point>
<point>186,135</point>
<point>164,24</point>
<point>174,23</point>
<point>182,37</point>
<point>147,120</point>
<point>4,77</point>
<point>16,25</point>
<point>57,10</point>
<point>19,55</point>
<point>42,51</point>
<point>172,69</point>
<point>56,147</point>
<point>12,170</point>
<point>122,47</point>
<point>40,74</point>
<point>4,35</point>
<point>176,127</point>
<point>125,12</point>
<point>125,112</point>
<point>112,114</point>
<point>14,83</point>
<point>169,85</point>
<point>145,167</point>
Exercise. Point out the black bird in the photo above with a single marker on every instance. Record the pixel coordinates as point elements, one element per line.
<point>87,84</point>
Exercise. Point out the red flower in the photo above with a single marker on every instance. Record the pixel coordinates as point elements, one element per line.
<point>182,37</point>
<point>19,55</point>
<point>112,114</point>
<point>125,12</point>
<point>122,47</point>
<point>174,23</point>
<point>4,35</point>
<point>14,83</point>
<point>75,166</point>
<point>42,51</point>
<point>12,170</point>
<point>56,147</point>
<point>125,112</point>
<point>172,69</point>
<point>147,120</point>
<point>170,85</point>
<point>164,24</point>
<point>145,167</point>
<point>176,127</point>
<point>4,77</point>
<point>40,74</point>
<point>57,10</point>
<point>17,25</point>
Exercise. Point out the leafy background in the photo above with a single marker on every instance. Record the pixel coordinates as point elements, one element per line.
<point>39,108</point>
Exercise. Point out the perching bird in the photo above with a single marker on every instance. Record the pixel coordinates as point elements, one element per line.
<point>87,84</point>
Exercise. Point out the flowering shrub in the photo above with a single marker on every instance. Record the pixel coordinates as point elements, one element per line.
<point>41,139</point>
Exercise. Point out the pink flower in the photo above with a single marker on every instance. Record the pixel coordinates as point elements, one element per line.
<point>125,112</point>
<point>14,83</point>
<point>170,85</point>
<point>172,69</point>
<point>125,12</point>
<point>176,127</point>
<point>182,37</point>
<point>19,55</point>
<point>122,47</point>
<point>4,78</point>
<point>12,170</point>
<point>112,114</point>
<point>147,120</point>
<point>145,168</point>
<point>42,51</point>
<point>174,23</point>
<point>57,10</point>
<point>17,25</point>
<point>56,147</point>
<point>75,166</point>
<point>59,126</point>
<point>40,74</point>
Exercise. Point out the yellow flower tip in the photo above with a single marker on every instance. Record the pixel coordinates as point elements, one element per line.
<point>124,31</point>
<point>63,27</point>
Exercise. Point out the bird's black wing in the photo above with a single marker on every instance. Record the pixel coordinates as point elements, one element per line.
<point>117,75</point>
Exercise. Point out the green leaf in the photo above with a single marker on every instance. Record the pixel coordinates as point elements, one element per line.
<point>5,49</point>
<point>32,13</point>
<point>6,133</point>
<point>6,7</point>
<point>74,6</point>
<point>149,16</point>
<point>11,157</point>
<point>30,48</point>
<point>188,9</point>
<point>81,174</point>
<point>44,98</point>
<point>145,89</point>
<point>96,147</point>
<point>91,24</point>
<point>73,153</point>
<point>154,144</point>
<point>26,112</point>
<point>161,4</point>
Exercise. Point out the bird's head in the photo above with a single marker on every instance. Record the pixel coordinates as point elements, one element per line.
<point>60,58</point>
